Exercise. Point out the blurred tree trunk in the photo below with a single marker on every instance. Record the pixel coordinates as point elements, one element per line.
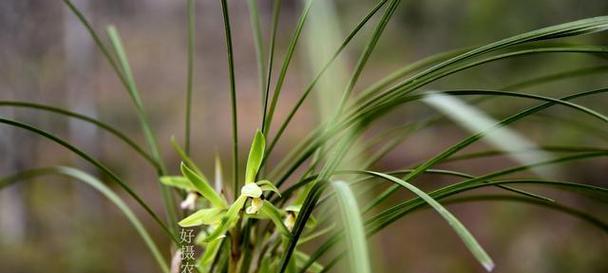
<point>14,75</point>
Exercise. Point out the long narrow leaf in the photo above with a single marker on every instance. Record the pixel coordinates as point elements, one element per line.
<point>105,191</point>
<point>233,100</point>
<point>354,231</point>
<point>88,119</point>
<point>191,10</point>
<point>95,163</point>
<point>468,239</point>
<point>476,121</point>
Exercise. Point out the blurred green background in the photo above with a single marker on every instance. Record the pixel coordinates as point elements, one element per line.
<point>54,225</point>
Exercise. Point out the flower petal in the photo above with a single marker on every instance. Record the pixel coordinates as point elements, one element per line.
<point>251,190</point>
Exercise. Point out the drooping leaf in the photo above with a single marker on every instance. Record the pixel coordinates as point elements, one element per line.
<point>101,188</point>
<point>464,234</point>
<point>95,163</point>
<point>268,186</point>
<point>104,126</point>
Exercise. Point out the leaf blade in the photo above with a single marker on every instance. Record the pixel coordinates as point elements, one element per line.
<point>202,186</point>
<point>256,154</point>
<point>354,228</point>
<point>464,234</point>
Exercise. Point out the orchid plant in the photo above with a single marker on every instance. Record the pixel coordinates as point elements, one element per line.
<point>259,221</point>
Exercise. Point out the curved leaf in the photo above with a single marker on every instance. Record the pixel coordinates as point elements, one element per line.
<point>95,163</point>
<point>101,188</point>
<point>468,239</point>
<point>203,187</point>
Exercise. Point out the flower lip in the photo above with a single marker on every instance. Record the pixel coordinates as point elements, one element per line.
<point>256,205</point>
<point>290,220</point>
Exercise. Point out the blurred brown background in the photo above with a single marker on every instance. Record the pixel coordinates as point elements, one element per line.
<point>53,225</point>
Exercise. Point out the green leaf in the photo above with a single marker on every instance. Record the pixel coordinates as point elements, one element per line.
<point>464,234</point>
<point>294,208</point>
<point>302,258</point>
<point>316,235</point>
<point>369,48</point>
<point>124,69</point>
<point>202,186</point>
<point>318,76</point>
<point>266,185</point>
<point>229,219</point>
<point>474,120</point>
<point>186,159</point>
<point>81,117</point>
<point>211,251</point>
<point>265,265</point>
<point>95,163</point>
<point>179,182</point>
<point>208,216</point>
<point>504,122</point>
<point>390,215</point>
<point>123,73</point>
<point>101,188</point>
<point>271,212</point>
<point>233,103</point>
<point>191,10</point>
<point>276,9</point>
<point>353,226</point>
<point>286,62</point>
<point>256,29</point>
<point>256,154</point>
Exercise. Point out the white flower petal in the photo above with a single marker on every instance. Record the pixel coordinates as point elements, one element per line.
<point>189,202</point>
<point>251,190</point>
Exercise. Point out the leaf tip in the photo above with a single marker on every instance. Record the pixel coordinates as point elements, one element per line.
<point>488,265</point>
